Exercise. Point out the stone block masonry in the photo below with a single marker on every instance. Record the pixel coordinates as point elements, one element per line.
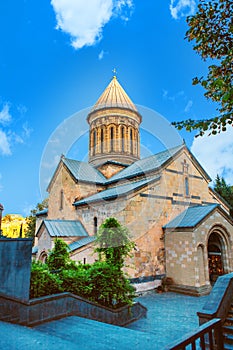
<point>15,267</point>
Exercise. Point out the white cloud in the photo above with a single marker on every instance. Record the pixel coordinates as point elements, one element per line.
<point>101,55</point>
<point>9,137</point>
<point>177,95</point>
<point>4,144</point>
<point>182,8</point>
<point>5,115</point>
<point>188,106</point>
<point>215,153</point>
<point>85,22</point>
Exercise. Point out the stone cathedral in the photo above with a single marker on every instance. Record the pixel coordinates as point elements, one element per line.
<point>181,227</point>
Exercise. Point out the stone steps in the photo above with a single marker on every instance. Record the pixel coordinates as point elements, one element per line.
<point>103,336</point>
<point>228,330</point>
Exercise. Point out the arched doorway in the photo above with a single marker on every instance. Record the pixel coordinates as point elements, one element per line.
<point>215,256</point>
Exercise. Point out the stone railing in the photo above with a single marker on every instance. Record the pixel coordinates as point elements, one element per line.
<point>208,336</point>
<point>219,300</point>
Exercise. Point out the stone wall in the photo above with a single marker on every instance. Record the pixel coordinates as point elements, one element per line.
<point>53,307</point>
<point>187,252</point>
<point>15,267</point>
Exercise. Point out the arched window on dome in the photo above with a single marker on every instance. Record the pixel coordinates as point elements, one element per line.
<point>136,143</point>
<point>94,142</point>
<point>131,141</point>
<point>102,140</point>
<point>123,139</point>
<point>112,138</point>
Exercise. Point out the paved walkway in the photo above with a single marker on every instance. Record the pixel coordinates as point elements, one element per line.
<point>170,316</point>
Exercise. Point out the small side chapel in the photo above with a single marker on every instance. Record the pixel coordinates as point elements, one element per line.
<point>181,227</point>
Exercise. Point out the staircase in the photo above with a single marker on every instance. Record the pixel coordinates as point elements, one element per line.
<point>87,334</point>
<point>228,330</point>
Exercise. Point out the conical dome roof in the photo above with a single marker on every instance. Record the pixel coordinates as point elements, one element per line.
<point>114,96</point>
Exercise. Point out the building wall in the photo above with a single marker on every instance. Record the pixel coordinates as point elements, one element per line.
<point>144,213</point>
<point>187,251</point>
<point>85,255</point>
<point>63,193</point>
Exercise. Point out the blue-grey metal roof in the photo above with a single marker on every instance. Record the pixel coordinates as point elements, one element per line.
<point>42,212</point>
<point>84,171</point>
<point>191,216</point>
<point>65,228</point>
<point>81,243</point>
<point>145,165</point>
<point>115,192</point>
<point>35,249</point>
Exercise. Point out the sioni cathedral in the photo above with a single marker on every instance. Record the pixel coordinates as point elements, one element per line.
<point>181,227</point>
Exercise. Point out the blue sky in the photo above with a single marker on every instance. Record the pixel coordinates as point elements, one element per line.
<point>57,58</point>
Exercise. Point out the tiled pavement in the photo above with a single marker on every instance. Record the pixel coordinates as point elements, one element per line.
<point>169,317</point>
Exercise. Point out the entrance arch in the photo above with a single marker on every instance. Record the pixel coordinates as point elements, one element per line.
<point>217,254</point>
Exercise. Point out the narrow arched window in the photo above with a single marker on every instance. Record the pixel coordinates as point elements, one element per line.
<point>122,139</point>
<point>95,225</point>
<point>102,140</point>
<point>136,144</point>
<point>94,142</point>
<point>61,199</point>
<point>131,141</point>
<point>111,138</point>
<point>186,182</point>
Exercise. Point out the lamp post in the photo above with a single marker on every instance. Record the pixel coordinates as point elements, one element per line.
<point>1,210</point>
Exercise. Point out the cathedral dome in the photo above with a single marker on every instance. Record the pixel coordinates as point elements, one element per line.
<point>114,96</point>
<point>114,127</point>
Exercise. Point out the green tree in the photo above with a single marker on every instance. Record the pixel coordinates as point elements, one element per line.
<point>212,30</point>
<point>59,257</point>
<point>114,242</point>
<point>31,219</point>
<point>225,191</point>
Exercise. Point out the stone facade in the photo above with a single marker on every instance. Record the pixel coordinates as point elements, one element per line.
<point>179,182</point>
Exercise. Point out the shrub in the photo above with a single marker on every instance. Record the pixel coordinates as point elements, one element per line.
<point>76,280</point>
<point>109,285</point>
<point>43,282</point>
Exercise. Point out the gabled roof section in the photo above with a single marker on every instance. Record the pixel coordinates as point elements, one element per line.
<point>116,192</point>
<point>84,171</point>
<point>43,212</point>
<point>191,216</point>
<point>81,243</point>
<point>146,165</point>
<point>114,162</point>
<point>64,228</point>
<point>114,96</point>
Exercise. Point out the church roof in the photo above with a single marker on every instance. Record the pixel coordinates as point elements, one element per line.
<point>145,165</point>
<point>84,171</point>
<point>65,228</point>
<point>115,192</point>
<point>114,96</point>
<point>191,216</point>
<point>81,243</point>
<point>43,212</point>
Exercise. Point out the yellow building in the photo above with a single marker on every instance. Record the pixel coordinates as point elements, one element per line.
<point>181,227</point>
